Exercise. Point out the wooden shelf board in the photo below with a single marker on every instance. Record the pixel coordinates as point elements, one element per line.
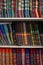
<point>20,46</point>
<point>21,19</point>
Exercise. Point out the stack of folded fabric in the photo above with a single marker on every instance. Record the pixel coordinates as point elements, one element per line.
<point>6,34</point>
<point>25,33</point>
<point>21,8</point>
<point>22,56</point>
<point>21,33</point>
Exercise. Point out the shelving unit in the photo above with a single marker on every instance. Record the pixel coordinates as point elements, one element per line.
<point>12,20</point>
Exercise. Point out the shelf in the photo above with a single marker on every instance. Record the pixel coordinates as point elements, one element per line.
<point>20,19</point>
<point>5,23</point>
<point>21,46</point>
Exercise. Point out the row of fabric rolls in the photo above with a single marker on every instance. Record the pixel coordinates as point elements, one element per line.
<point>9,56</point>
<point>21,8</point>
<point>21,33</point>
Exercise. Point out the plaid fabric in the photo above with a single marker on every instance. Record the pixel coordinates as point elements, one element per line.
<point>23,6</point>
<point>31,32</point>
<point>34,57</point>
<point>10,33</point>
<point>1,7</point>
<point>27,56</point>
<point>19,57</point>
<point>10,57</point>
<point>0,56</point>
<point>30,8</point>
<point>19,8</point>
<point>37,57</point>
<point>3,32</point>
<point>36,35</point>
<point>14,6</point>
<point>40,27</point>
<point>35,8</point>
<point>2,37</point>
<point>9,8</point>
<point>41,37</point>
<point>42,56</point>
<point>3,56</point>
<point>21,39</point>
<point>14,57</point>
<point>23,56</point>
<point>7,33</point>
<point>27,8</point>
<point>4,12</point>
<point>40,8</point>
<point>31,56</point>
<point>7,57</point>
<point>25,37</point>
